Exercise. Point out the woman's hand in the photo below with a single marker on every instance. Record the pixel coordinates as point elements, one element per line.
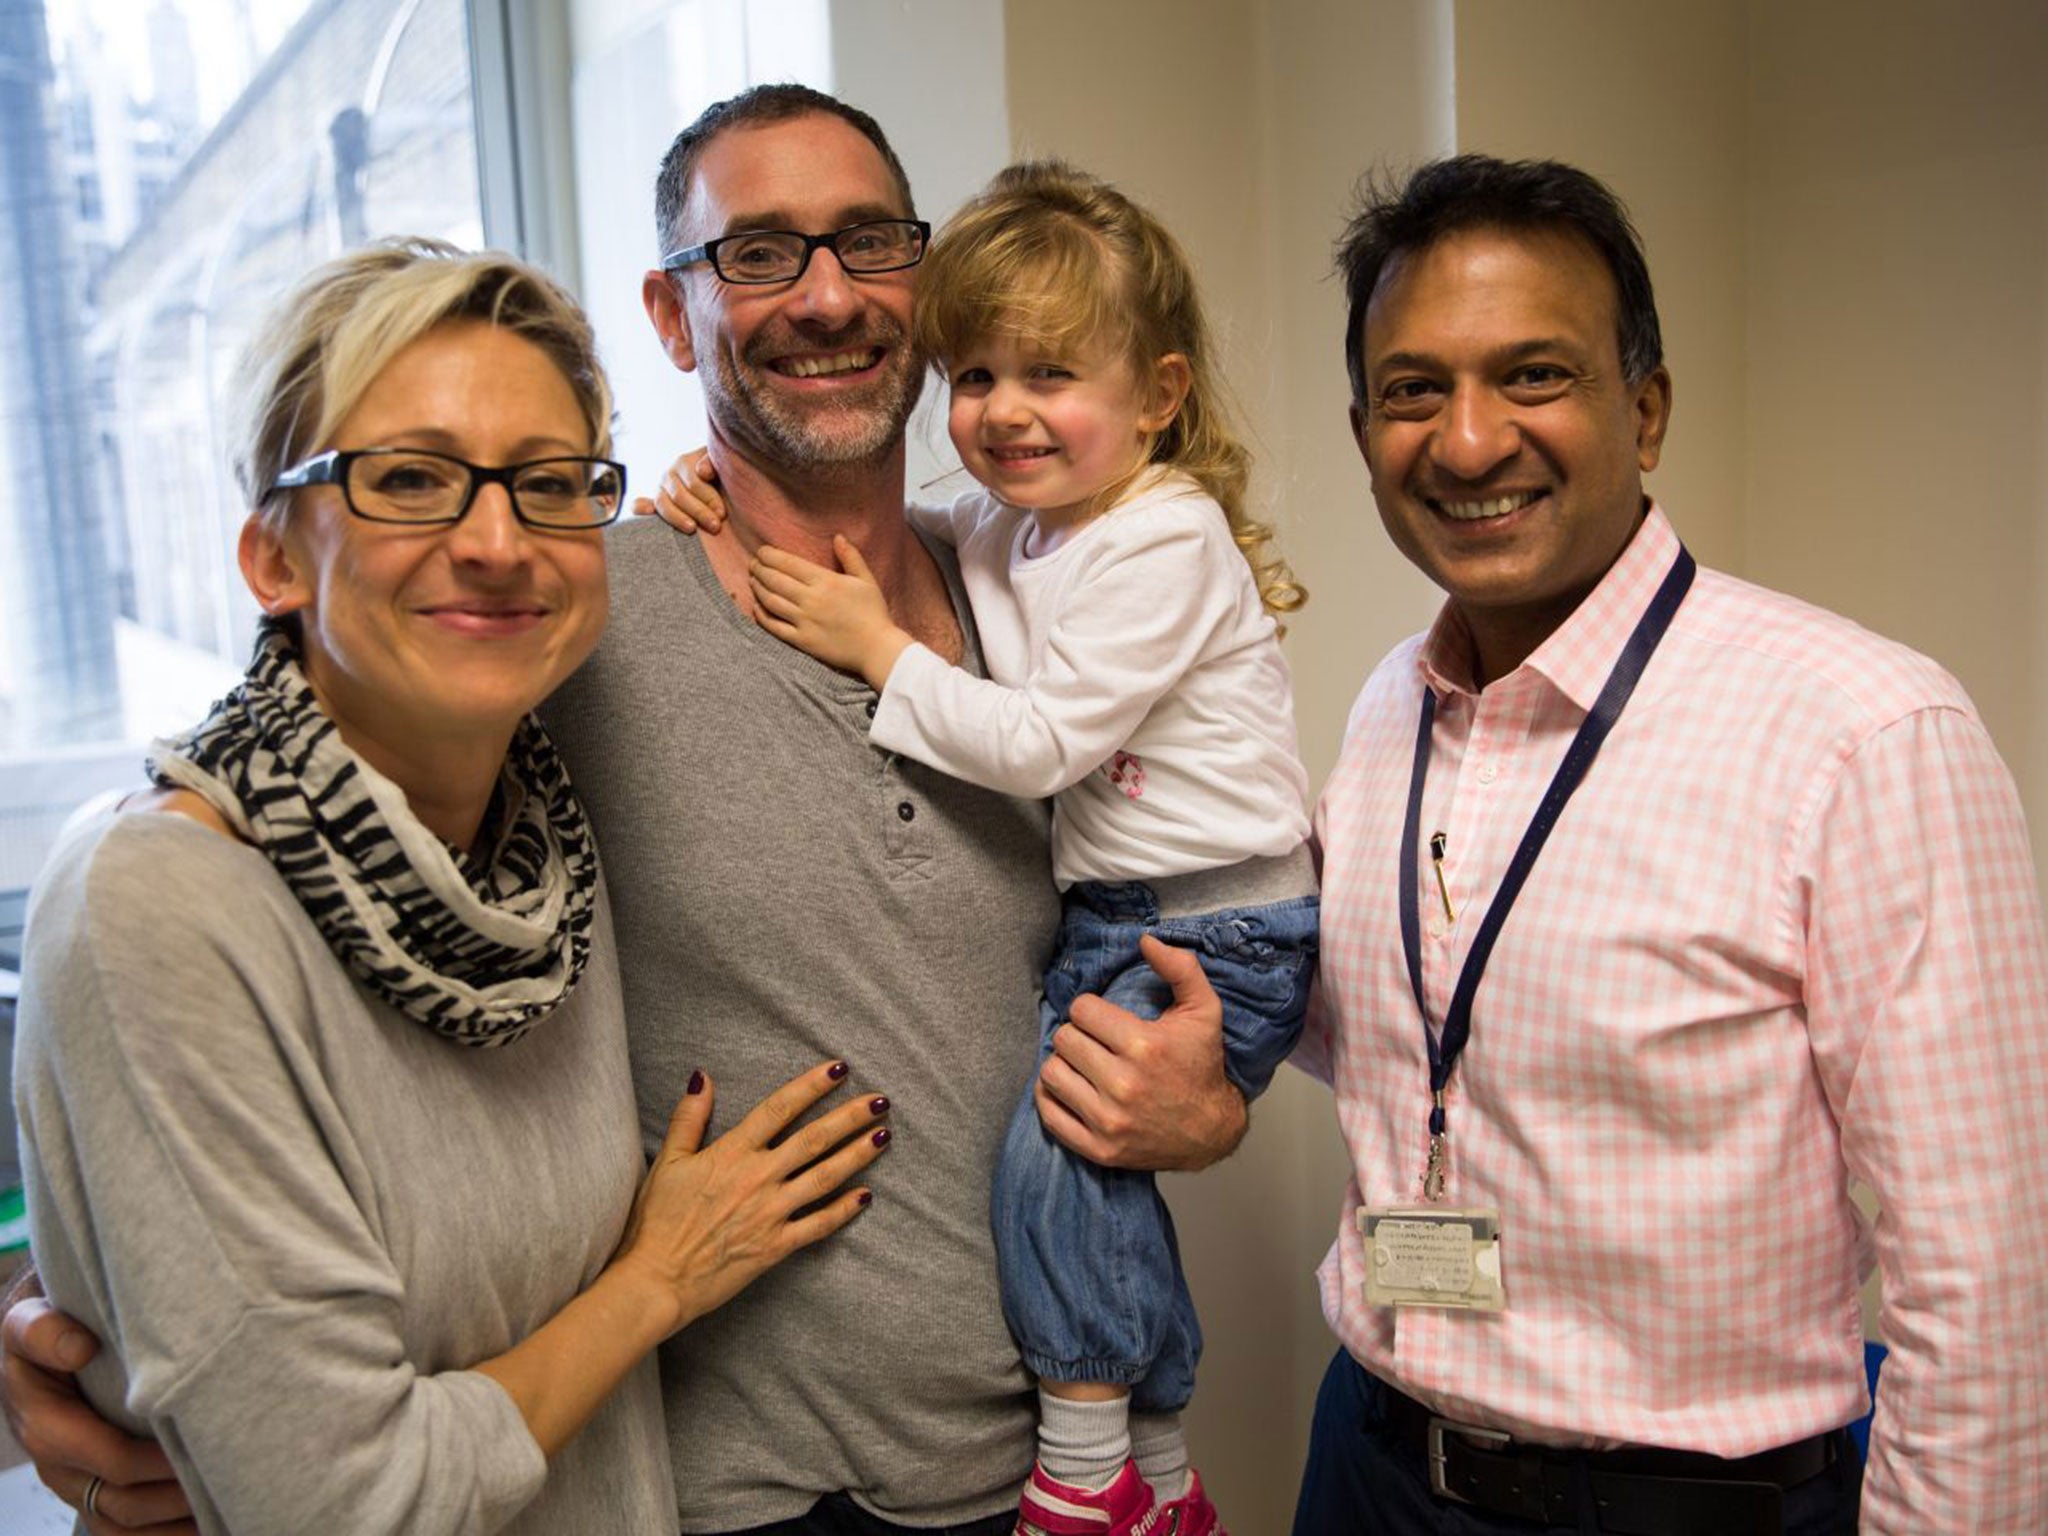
<point>709,1219</point>
<point>688,499</point>
<point>839,616</point>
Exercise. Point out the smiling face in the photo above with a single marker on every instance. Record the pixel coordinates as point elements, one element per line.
<point>1052,434</point>
<point>416,636</point>
<point>1507,450</point>
<point>811,373</point>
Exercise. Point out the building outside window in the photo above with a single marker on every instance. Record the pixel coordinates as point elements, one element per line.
<point>168,168</point>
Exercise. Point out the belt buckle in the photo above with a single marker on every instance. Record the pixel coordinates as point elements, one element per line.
<point>1438,1484</point>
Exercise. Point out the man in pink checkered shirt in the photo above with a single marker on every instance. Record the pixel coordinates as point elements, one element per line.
<point>1659,910</point>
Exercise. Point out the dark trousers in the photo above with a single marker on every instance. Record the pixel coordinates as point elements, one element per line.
<point>837,1515</point>
<point>1362,1481</point>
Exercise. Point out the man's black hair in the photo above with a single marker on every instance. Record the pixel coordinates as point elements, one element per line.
<point>1465,192</point>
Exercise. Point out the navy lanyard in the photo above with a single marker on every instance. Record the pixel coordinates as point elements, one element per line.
<point>1578,757</point>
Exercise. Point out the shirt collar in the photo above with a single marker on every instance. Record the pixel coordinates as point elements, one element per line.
<point>1581,652</point>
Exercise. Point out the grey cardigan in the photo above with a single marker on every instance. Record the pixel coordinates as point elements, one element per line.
<point>295,1217</point>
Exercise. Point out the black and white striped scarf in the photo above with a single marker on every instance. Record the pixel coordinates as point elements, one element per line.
<point>479,955</point>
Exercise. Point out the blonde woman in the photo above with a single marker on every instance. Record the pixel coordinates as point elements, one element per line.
<point>322,1073</point>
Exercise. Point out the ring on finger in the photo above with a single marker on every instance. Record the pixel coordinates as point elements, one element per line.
<point>91,1504</point>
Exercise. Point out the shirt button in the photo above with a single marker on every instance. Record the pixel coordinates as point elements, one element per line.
<point>1488,774</point>
<point>871,709</point>
<point>907,811</point>
<point>1436,929</point>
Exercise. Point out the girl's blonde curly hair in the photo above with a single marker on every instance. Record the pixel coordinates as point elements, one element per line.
<point>1060,259</point>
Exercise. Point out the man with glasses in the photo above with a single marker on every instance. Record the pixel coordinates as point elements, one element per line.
<point>791,886</point>
<point>782,891</point>
<point>780,255</point>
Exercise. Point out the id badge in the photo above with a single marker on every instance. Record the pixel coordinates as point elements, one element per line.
<point>1432,1256</point>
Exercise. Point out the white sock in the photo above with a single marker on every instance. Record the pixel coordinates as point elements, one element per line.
<point>1083,1444</point>
<point>1160,1447</point>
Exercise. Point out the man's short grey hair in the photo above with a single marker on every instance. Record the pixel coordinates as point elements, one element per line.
<point>755,108</point>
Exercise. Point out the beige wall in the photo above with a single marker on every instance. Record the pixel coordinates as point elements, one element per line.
<point>1245,127</point>
<point>1847,218</point>
<point>1651,99</point>
<point>1846,209</point>
<point>1898,339</point>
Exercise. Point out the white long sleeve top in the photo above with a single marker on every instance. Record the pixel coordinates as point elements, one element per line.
<point>1133,674</point>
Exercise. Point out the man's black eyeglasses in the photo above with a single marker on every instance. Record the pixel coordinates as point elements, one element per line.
<point>425,489</point>
<point>781,255</point>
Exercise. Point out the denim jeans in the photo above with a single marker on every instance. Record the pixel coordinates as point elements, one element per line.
<point>1091,1277</point>
<point>1361,1481</point>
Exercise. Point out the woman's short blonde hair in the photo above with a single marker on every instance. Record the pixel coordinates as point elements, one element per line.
<point>312,360</point>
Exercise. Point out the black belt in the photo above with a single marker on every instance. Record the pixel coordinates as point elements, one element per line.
<point>1635,1491</point>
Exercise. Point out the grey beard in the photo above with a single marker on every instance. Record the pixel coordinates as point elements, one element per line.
<point>848,436</point>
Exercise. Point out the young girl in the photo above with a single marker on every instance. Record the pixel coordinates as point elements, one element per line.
<point>1124,601</point>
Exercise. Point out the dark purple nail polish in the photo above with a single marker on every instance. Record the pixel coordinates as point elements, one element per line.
<point>878,1105</point>
<point>881,1137</point>
<point>696,1083</point>
<point>867,1197</point>
<point>836,1071</point>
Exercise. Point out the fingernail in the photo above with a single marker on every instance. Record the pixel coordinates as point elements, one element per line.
<point>836,1071</point>
<point>878,1105</point>
<point>867,1197</point>
<point>695,1084</point>
<point>881,1137</point>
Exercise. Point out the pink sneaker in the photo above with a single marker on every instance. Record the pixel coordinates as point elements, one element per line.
<point>1051,1508</point>
<point>1191,1514</point>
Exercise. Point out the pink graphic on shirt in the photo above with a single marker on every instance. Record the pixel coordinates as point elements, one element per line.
<point>1127,772</point>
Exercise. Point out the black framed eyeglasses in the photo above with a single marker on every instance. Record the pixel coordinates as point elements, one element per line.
<point>781,255</point>
<point>427,489</point>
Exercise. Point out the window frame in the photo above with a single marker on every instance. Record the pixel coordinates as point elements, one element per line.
<point>520,95</point>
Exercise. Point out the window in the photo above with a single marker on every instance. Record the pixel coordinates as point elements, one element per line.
<point>176,164</point>
<point>633,88</point>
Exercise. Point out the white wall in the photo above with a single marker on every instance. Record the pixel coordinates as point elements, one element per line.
<point>641,69</point>
<point>1653,100</point>
<point>931,72</point>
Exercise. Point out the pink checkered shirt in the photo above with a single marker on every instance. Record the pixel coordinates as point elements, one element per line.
<point>1786,934</point>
